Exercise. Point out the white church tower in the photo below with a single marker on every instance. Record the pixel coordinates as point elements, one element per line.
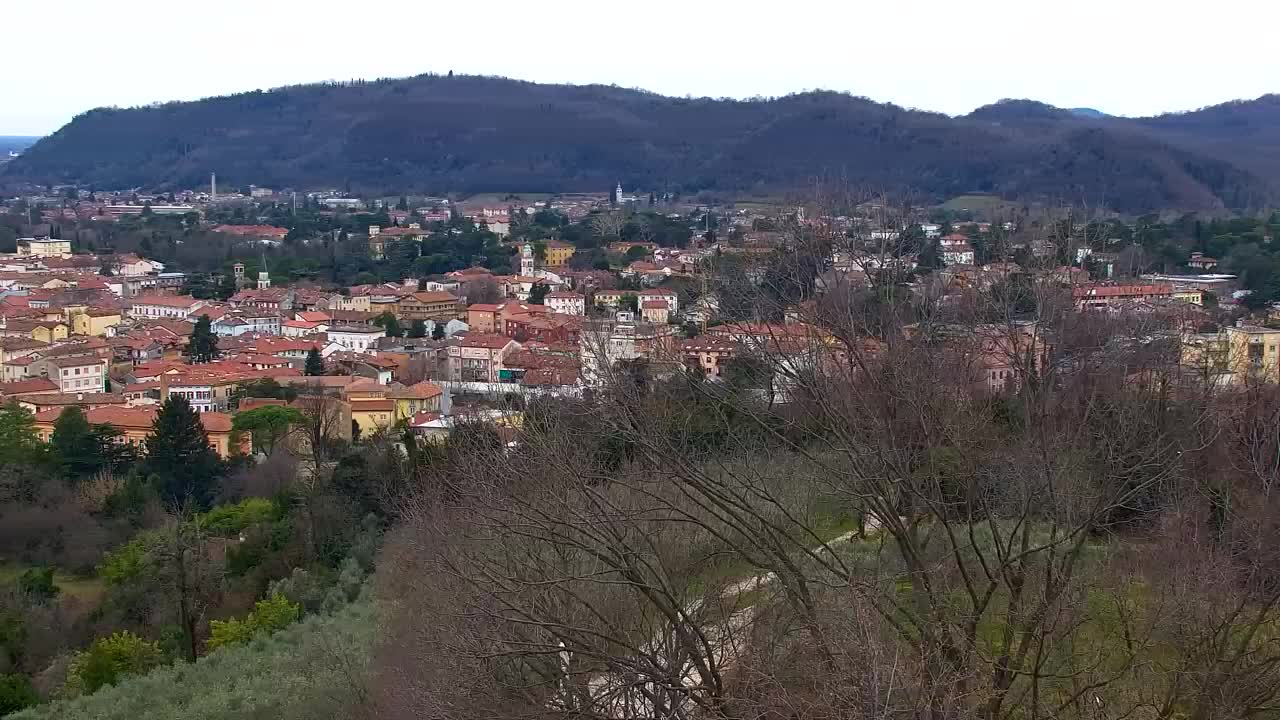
<point>526,260</point>
<point>264,280</point>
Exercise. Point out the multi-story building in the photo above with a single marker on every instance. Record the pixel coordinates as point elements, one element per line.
<point>74,374</point>
<point>44,247</point>
<point>668,296</point>
<point>1098,296</point>
<point>655,311</point>
<point>356,337</point>
<point>566,302</point>
<point>478,358</point>
<point>558,253</point>
<point>438,306</point>
<point>163,306</point>
<point>1253,353</point>
<point>605,343</point>
<point>707,354</point>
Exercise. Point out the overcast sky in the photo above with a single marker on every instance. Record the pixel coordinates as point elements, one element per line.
<point>1127,57</point>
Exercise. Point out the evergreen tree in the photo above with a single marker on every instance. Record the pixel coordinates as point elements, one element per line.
<point>183,467</point>
<point>403,204</point>
<point>19,441</point>
<point>203,346</point>
<point>538,294</point>
<point>390,323</point>
<point>930,257</point>
<point>418,329</point>
<point>73,443</point>
<point>315,363</point>
<point>437,332</point>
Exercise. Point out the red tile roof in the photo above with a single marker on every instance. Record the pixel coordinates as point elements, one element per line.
<point>34,385</point>
<point>492,342</point>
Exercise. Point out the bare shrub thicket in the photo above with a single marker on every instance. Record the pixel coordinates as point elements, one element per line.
<point>985,506</point>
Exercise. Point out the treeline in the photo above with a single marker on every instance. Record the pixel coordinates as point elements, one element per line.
<point>472,134</point>
<point>128,558</point>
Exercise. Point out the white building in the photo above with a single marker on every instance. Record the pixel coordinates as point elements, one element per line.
<point>566,302</point>
<point>957,255</point>
<point>669,296</point>
<point>134,266</point>
<point>163,306</point>
<point>44,247</point>
<point>236,324</point>
<point>77,374</point>
<point>358,338</point>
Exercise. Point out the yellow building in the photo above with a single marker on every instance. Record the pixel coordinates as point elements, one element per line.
<point>93,322</point>
<point>135,425</point>
<point>1253,352</point>
<point>1189,295</point>
<point>558,253</point>
<point>45,331</point>
<point>371,409</point>
<point>409,401</point>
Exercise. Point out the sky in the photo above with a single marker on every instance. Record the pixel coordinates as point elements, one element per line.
<point>1125,57</point>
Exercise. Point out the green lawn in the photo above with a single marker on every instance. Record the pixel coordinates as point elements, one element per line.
<point>502,199</point>
<point>88,589</point>
<point>977,203</point>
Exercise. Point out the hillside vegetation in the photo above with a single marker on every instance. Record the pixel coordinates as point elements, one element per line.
<point>477,134</point>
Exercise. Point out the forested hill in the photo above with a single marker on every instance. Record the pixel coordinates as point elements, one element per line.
<point>435,134</point>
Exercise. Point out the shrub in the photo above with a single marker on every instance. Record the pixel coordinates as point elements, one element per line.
<point>226,520</point>
<point>16,693</point>
<point>109,659</point>
<point>37,584</point>
<point>268,616</point>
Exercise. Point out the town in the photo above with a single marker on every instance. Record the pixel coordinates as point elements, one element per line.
<point>111,332</point>
<point>258,392</point>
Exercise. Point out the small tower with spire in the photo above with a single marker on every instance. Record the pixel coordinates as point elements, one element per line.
<point>526,260</point>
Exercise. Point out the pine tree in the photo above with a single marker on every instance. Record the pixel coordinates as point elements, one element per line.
<point>180,462</point>
<point>203,346</point>
<point>314,364</point>
<point>538,294</point>
<point>437,332</point>
<point>418,329</point>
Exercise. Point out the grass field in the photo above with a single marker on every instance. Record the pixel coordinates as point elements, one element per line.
<point>502,199</point>
<point>88,589</point>
<point>976,203</point>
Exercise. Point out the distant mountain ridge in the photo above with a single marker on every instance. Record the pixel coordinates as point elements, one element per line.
<point>466,133</point>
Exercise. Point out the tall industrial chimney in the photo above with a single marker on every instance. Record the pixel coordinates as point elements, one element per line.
<point>213,186</point>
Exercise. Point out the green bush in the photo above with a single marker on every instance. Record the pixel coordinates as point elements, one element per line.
<point>37,583</point>
<point>227,520</point>
<point>16,693</point>
<point>268,616</point>
<point>109,659</point>
<point>128,561</point>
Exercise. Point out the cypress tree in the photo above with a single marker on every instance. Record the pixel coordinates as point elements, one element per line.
<point>74,443</point>
<point>203,346</point>
<point>180,462</point>
<point>314,364</point>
